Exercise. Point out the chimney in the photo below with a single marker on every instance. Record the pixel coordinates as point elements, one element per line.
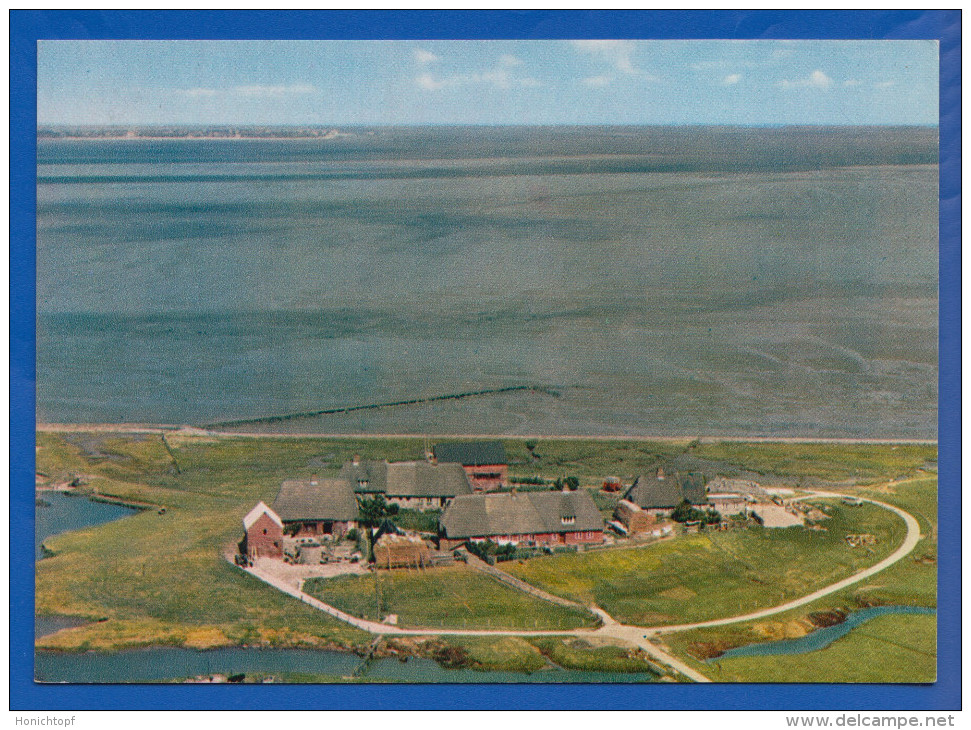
<point>660,473</point>
<point>355,460</point>
<point>313,480</point>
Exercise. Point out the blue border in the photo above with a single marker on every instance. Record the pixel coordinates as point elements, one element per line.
<point>26,27</point>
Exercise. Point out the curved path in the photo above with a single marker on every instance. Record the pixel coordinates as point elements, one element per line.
<point>637,635</point>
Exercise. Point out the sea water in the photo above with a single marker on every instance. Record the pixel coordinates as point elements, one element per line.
<point>656,280</point>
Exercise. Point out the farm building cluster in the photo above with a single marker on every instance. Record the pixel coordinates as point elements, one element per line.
<point>466,486</point>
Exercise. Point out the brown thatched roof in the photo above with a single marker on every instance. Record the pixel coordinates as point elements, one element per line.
<point>666,491</point>
<point>316,499</point>
<point>407,478</point>
<point>482,515</point>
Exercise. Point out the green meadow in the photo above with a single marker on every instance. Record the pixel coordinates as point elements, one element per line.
<point>448,597</point>
<point>161,579</point>
<point>886,649</point>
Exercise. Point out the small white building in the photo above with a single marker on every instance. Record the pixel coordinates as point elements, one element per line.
<point>728,503</point>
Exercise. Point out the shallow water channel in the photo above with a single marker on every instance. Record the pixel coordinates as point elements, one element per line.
<point>58,512</point>
<point>153,665</point>
<point>821,638</point>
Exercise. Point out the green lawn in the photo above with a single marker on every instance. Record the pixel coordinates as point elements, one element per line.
<point>161,579</point>
<point>912,582</point>
<point>716,574</point>
<point>452,597</point>
<point>866,463</point>
<point>885,649</point>
<point>590,460</point>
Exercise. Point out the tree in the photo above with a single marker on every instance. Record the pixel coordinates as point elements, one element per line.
<point>684,512</point>
<point>572,483</point>
<point>372,512</point>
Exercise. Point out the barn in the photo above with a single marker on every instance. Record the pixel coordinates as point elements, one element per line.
<point>484,461</point>
<point>409,484</point>
<point>530,518</point>
<point>316,507</point>
<point>263,533</point>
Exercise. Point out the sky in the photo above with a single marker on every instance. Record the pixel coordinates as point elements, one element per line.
<point>334,83</point>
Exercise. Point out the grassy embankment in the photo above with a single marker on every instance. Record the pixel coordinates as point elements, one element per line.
<point>449,597</point>
<point>716,574</point>
<point>900,648</point>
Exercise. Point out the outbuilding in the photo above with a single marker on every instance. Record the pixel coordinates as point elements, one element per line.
<point>263,533</point>
<point>483,461</point>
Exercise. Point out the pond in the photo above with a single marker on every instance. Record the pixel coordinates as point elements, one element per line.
<point>821,638</point>
<point>58,512</point>
<point>160,664</point>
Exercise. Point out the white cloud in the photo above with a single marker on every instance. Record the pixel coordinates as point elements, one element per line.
<point>851,82</point>
<point>616,53</point>
<point>273,90</point>
<point>250,91</point>
<point>883,84</point>
<point>731,79</point>
<point>500,77</point>
<point>816,80</point>
<point>427,81</point>
<point>424,57</point>
<point>599,81</point>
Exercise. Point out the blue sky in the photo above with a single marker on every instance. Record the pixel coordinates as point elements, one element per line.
<point>487,82</point>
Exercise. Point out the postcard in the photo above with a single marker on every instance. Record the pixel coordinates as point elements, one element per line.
<point>609,361</point>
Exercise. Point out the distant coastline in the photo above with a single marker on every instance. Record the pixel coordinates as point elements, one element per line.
<point>137,133</point>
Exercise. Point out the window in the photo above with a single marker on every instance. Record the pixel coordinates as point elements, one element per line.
<point>568,520</point>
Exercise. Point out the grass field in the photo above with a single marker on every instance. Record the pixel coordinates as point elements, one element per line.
<point>716,574</point>
<point>450,597</point>
<point>865,463</point>
<point>904,641</point>
<point>886,649</point>
<point>160,579</point>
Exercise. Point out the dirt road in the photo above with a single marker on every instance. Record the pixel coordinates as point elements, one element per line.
<point>640,636</point>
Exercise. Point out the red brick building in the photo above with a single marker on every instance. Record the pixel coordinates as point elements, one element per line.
<point>263,533</point>
<point>530,518</point>
<point>484,462</point>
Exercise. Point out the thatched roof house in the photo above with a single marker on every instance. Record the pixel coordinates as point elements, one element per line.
<point>317,506</point>
<point>528,517</point>
<point>665,491</point>
<point>412,484</point>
